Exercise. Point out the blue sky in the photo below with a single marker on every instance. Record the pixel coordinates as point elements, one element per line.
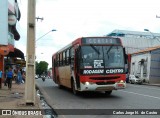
<point>77,18</point>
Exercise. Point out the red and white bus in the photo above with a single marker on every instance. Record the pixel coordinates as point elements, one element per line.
<point>91,64</point>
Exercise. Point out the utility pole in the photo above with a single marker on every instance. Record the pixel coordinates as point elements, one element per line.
<point>30,55</point>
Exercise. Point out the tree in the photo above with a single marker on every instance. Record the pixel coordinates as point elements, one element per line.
<point>41,67</point>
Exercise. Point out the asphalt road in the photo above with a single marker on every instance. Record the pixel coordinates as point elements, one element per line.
<point>130,99</point>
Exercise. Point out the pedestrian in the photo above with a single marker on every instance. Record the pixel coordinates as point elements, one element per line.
<point>0,79</point>
<point>5,76</point>
<point>19,76</point>
<point>23,76</point>
<point>9,78</point>
<point>15,75</point>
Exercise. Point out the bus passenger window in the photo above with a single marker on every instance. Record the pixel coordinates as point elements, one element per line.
<point>57,60</point>
<point>61,60</point>
<point>67,57</point>
<point>64,56</point>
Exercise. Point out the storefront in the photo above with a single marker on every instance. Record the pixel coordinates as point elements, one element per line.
<point>10,14</point>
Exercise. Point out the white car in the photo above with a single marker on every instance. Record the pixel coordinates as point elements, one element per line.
<point>134,79</point>
<point>36,77</point>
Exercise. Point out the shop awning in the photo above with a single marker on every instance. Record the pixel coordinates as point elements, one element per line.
<point>16,53</point>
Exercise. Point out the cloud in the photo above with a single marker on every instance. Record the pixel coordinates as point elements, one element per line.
<point>76,18</point>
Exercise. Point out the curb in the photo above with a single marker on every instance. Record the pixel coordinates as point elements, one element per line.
<point>158,85</point>
<point>47,99</point>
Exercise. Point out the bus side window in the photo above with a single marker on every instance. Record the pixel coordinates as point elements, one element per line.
<point>60,60</point>
<point>53,62</point>
<point>67,57</point>
<point>64,56</point>
<point>57,60</point>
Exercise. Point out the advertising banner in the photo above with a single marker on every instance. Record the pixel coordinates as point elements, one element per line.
<point>11,4</point>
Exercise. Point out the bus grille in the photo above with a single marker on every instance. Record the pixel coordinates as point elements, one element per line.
<point>105,83</point>
<point>105,88</point>
<point>104,78</point>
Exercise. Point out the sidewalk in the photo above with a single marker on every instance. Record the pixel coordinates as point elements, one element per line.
<point>14,99</point>
<point>158,85</point>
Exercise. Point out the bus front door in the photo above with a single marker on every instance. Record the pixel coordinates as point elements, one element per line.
<point>77,67</point>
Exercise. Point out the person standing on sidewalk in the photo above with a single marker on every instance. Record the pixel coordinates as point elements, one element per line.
<point>15,75</point>
<point>9,78</point>
<point>19,76</point>
<point>0,79</point>
<point>23,76</point>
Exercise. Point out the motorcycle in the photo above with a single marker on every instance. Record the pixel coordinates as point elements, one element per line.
<point>43,78</point>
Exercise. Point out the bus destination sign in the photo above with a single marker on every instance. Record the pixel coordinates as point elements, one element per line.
<point>103,71</point>
<point>101,40</point>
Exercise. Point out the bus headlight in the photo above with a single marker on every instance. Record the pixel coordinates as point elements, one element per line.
<point>86,83</point>
<point>89,83</point>
<point>121,81</point>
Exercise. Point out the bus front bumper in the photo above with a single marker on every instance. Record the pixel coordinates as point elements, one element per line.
<point>88,86</point>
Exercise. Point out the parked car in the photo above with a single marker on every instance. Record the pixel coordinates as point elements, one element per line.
<point>134,79</point>
<point>36,76</point>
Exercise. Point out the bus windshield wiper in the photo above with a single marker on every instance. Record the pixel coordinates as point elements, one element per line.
<point>97,51</point>
<point>109,50</point>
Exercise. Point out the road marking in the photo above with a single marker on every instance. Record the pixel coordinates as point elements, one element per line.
<point>141,94</point>
<point>140,86</point>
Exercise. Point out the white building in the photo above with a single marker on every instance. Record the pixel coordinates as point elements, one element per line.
<point>135,41</point>
<point>146,65</point>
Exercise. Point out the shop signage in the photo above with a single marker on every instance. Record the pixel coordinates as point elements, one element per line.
<point>4,50</point>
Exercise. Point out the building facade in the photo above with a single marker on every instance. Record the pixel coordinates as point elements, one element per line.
<point>134,41</point>
<point>10,14</point>
<point>146,65</point>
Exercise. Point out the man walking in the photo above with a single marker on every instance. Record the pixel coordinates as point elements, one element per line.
<point>9,78</point>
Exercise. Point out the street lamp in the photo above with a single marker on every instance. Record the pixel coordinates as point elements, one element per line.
<point>46,34</point>
<point>146,30</point>
<point>154,37</point>
<point>43,36</point>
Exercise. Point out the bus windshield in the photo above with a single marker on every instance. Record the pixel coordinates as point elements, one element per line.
<point>102,57</point>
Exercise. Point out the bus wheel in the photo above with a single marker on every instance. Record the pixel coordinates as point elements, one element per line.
<point>73,88</point>
<point>108,92</point>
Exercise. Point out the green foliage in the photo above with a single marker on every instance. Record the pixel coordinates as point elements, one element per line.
<point>41,67</point>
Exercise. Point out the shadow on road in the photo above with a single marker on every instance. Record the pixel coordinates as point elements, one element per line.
<point>95,95</point>
<point>88,94</point>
